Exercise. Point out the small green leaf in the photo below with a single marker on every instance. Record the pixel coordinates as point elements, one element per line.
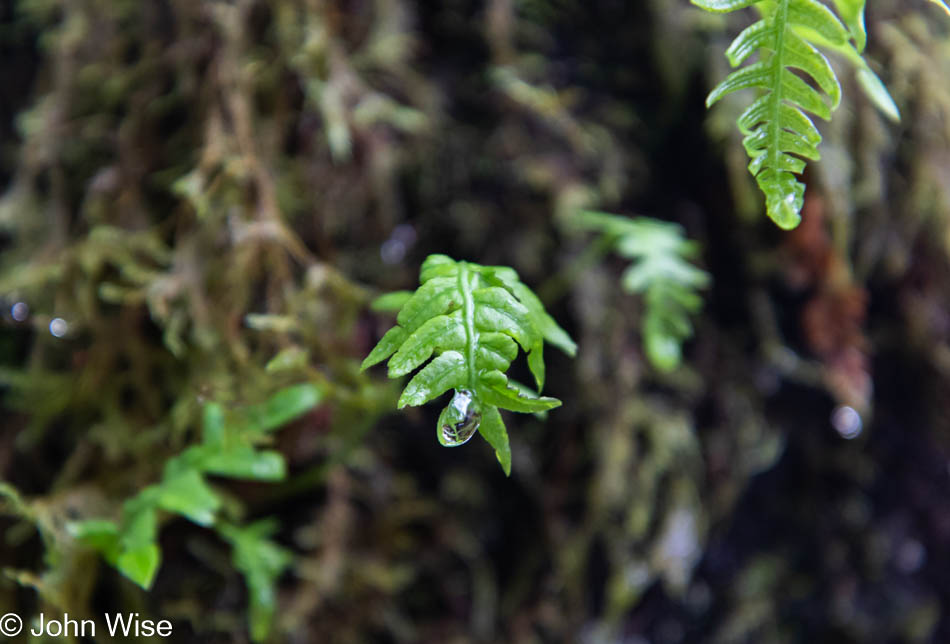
<point>390,302</point>
<point>212,426</point>
<point>784,197</point>
<point>723,6</point>
<point>99,534</point>
<point>139,523</point>
<point>527,392</point>
<point>288,359</point>
<point>497,310</point>
<point>545,323</point>
<point>875,90</point>
<point>281,408</point>
<point>134,552</point>
<point>437,266</point>
<point>244,462</point>
<point>754,75</point>
<point>192,458</point>
<point>261,561</point>
<point>495,351</point>
<point>386,346</point>
<point>555,334</point>
<point>188,494</point>
<point>536,364</point>
<point>439,333</point>
<point>852,12</point>
<point>140,565</point>
<point>445,372</point>
<point>493,389</point>
<point>492,429</point>
<point>817,18</point>
<point>438,296</point>
<point>663,350</point>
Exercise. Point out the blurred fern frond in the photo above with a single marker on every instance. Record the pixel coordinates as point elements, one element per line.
<point>662,273</point>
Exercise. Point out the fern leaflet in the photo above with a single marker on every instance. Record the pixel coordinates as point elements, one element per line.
<point>779,135</point>
<point>473,318</point>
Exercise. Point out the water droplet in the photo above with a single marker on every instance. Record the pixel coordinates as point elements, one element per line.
<point>58,327</point>
<point>459,420</point>
<point>20,311</point>
<point>847,422</point>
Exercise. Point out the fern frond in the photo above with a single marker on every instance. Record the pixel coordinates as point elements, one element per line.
<point>662,273</point>
<point>779,134</point>
<point>472,318</point>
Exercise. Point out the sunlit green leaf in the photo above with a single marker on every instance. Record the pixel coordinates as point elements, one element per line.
<point>281,408</point>
<point>212,426</point>
<point>188,494</point>
<point>100,534</point>
<point>387,346</point>
<point>139,521</point>
<point>492,389</point>
<point>874,89</point>
<point>852,12</point>
<point>445,372</point>
<point>140,564</point>
<point>245,462</point>
<point>390,302</point>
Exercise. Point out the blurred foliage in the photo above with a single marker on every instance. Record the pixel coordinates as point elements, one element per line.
<point>662,273</point>
<point>202,199</point>
<point>226,450</point>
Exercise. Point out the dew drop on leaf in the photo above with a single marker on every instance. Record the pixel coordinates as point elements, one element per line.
<point>459,421</point>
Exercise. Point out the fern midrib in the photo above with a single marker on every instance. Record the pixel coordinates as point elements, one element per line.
<point>468,316</point>
<point>781,22</point>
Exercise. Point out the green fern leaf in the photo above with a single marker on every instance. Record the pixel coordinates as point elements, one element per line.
<point>660,272</point>
<point>472,318</point>
<point>779,134</point>
<point>852,12</point>
<point>262,562</point>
